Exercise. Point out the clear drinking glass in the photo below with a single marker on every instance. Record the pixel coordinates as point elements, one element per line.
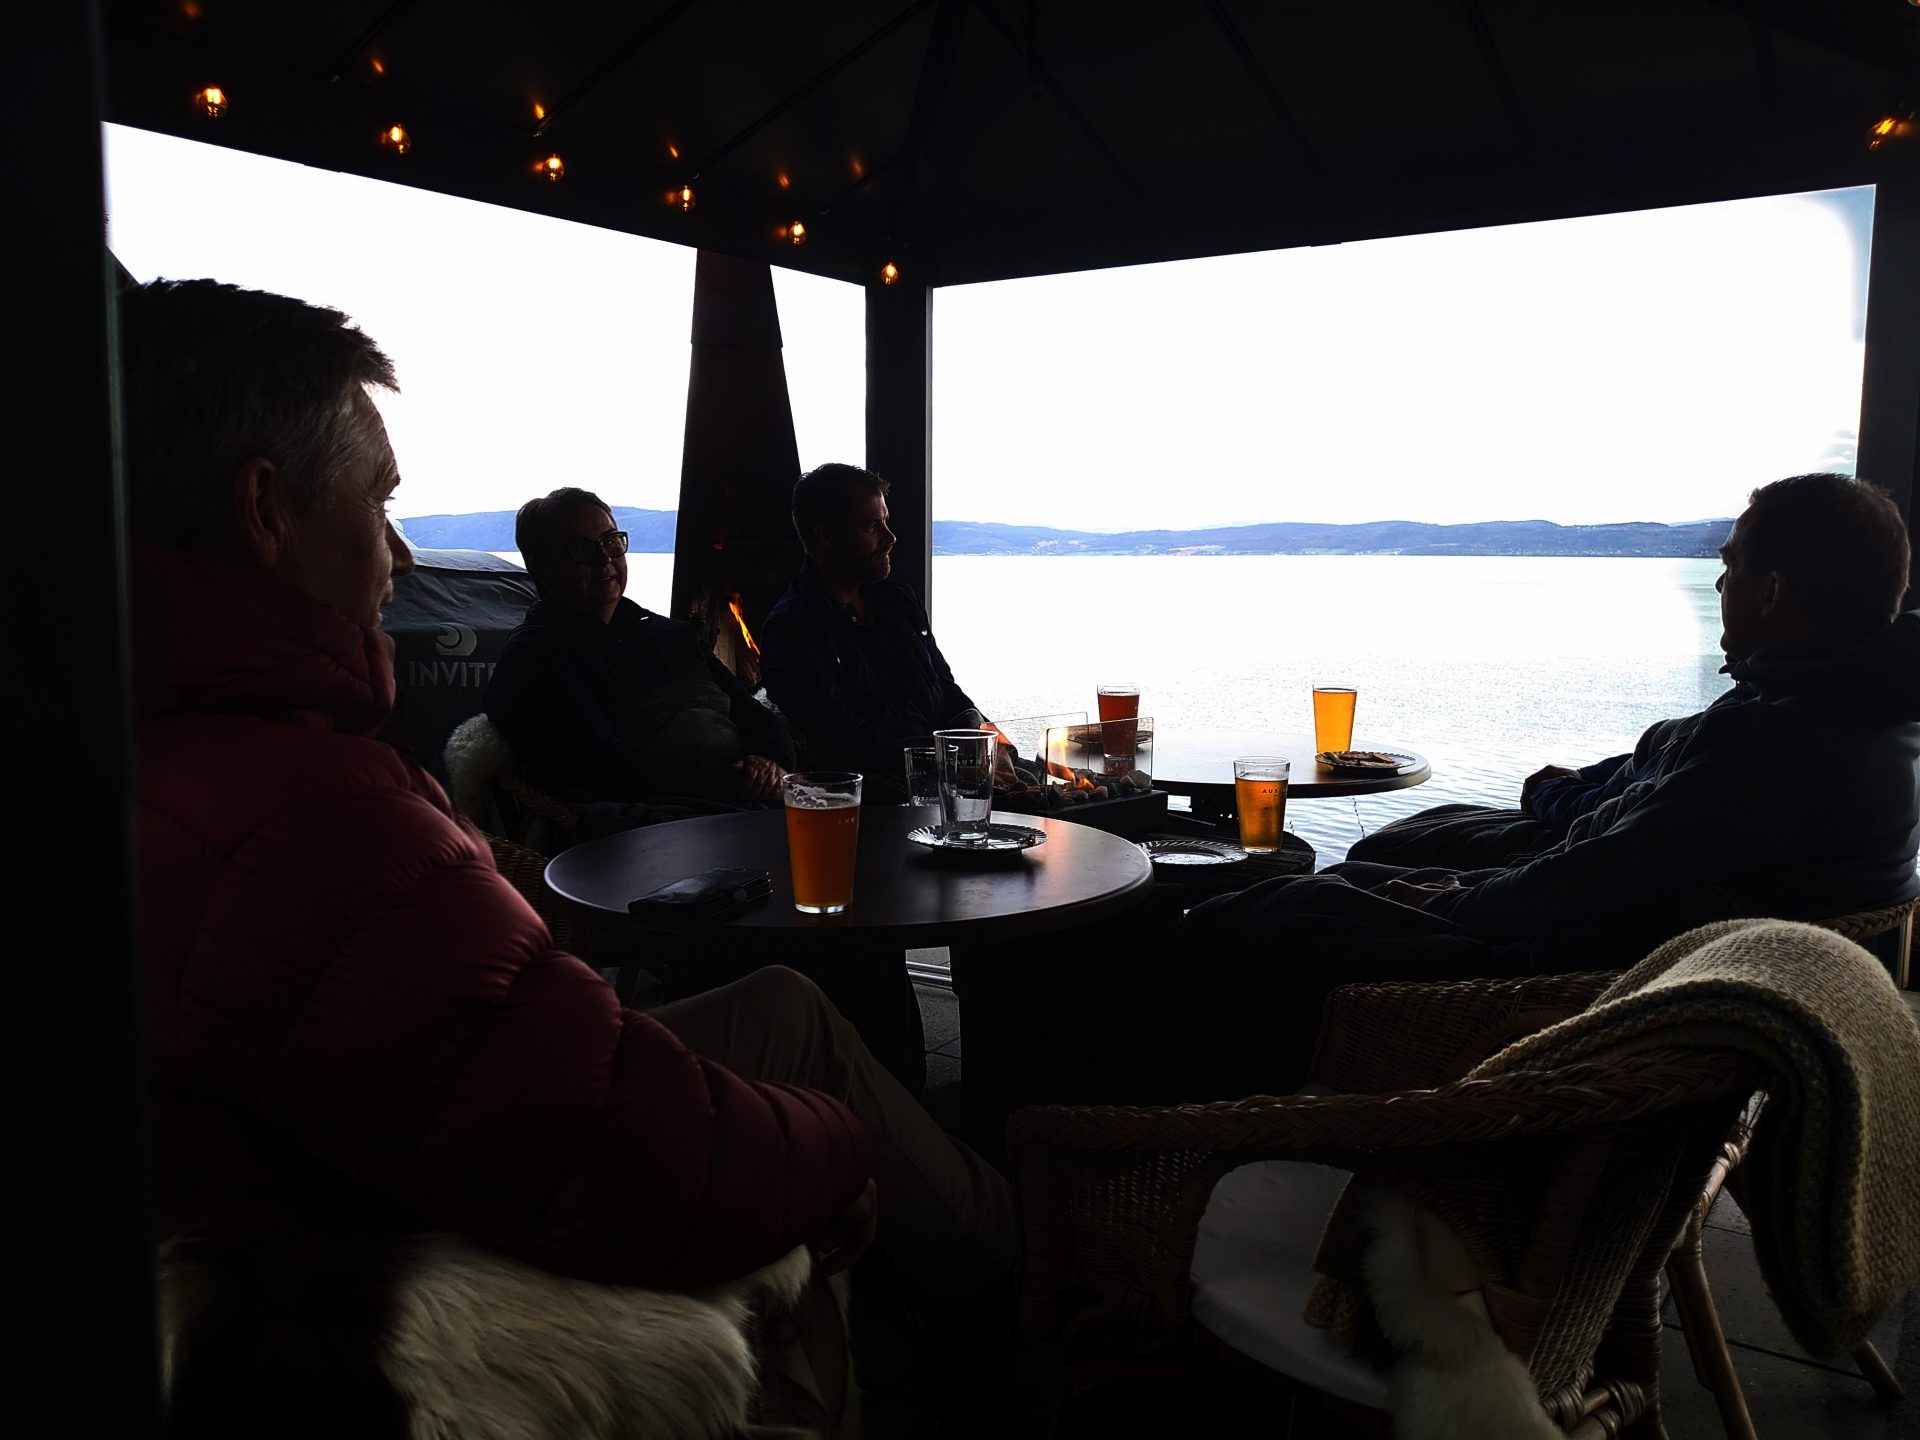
<point>823,834</point>
<point>1333,707</point>
<point>1260,800</point>
<point>923,780</point>
<point>966,781</point>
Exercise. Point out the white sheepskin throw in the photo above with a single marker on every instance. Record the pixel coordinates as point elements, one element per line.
<point>476,753</point>
<point>1453,1378</point>
<point>484,1348</point>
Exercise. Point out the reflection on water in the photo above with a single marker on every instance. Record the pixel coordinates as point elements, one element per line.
<point>1489,666</point>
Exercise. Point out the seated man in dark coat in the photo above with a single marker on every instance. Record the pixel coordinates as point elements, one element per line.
<point>600,698</point>
<point>1796,795</point>
<point>848,654</point>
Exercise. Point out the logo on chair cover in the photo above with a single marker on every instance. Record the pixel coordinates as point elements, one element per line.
<point>456,640</point>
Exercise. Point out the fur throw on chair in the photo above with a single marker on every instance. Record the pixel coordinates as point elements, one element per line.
<point>477,755</point>
<point>470,1345</point>
<point>1453,1378</point>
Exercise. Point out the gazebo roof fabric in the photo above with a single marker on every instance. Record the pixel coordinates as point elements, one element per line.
<point>980,139</point>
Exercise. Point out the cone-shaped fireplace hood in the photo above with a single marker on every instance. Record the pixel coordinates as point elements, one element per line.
<point>735,545</point>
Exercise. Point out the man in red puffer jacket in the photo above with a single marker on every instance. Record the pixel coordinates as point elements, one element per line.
<point>355,1024</point>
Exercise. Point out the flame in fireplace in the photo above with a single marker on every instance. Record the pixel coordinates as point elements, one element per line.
<point>733,604</point>
<point>1075,779</point>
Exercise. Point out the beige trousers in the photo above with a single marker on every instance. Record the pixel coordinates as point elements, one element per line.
<point>945,1216</point>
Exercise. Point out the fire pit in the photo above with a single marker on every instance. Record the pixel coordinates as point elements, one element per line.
<point>1071,775</point>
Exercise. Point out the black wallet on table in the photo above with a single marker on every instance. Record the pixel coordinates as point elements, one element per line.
<point>710,895</point>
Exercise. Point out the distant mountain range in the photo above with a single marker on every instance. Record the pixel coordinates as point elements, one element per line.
<point>652,533</point>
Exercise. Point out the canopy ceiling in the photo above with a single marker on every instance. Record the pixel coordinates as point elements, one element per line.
<point>978,139</point>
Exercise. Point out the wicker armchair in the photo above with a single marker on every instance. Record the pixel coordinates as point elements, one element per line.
<point>1686,1270</point>
<point>1568,1189</point>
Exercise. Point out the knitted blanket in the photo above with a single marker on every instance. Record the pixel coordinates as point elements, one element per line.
<point>1835,1158</point>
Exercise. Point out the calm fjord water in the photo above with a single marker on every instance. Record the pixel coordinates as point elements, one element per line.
<point>1489,666</point>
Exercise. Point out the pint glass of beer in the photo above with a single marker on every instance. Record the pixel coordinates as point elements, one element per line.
<point>1260,799</point>
<point>1333,717</point>
<point>1119,709</point>
<point>823,828</point>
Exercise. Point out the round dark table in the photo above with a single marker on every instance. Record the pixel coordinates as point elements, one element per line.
<point>1208,769</point>
<point>903,894</point>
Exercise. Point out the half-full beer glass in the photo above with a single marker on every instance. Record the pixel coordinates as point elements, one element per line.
<point>1333,717</point>
<point>1260,799</point>
<point>966,781</point>
<point>823,833</point>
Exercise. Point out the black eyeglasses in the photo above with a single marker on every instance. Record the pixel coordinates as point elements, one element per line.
<point>588,552</point>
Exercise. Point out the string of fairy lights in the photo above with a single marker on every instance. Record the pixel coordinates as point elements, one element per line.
<point>213,102</point>
<point>1896,124</point>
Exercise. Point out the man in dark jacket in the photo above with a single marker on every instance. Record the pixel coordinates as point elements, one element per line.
<point>600,699</point>
<point>1795,795</point>
<point>848,653</point>
<point>1473,837</point>
<point>355,1025</point>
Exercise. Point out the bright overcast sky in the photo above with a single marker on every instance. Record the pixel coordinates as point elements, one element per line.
<point>1653,366</point>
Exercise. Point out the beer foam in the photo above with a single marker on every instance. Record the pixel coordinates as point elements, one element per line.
<point>798,799</point>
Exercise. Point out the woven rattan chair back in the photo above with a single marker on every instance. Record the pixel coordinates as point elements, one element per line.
<point>526,870</point>
<point>1865,925</point>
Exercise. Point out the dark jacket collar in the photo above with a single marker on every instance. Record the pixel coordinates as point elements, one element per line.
<point>811,587</point>
<point>579,622</point>
<point>213,636</point>
<point>1881,673</point>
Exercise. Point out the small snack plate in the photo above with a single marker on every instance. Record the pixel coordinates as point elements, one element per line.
<point>1000,840</point>
<point>1347,762</point>
<point>1192,852</point>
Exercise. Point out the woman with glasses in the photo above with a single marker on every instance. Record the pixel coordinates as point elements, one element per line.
<point>602,700</point>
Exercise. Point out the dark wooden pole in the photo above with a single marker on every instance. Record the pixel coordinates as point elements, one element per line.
<point>900,420</point>
<point>73,1166</point>
<point>1890,388</point>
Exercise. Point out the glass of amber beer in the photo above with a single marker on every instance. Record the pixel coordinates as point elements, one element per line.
<point>823,828</point>
<point>1260,799</point>
<point>1119,709</point>
<point>1333,717</point>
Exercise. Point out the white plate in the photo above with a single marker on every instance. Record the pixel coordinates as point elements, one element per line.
<point>1192,852</point>
<point>999,840</point>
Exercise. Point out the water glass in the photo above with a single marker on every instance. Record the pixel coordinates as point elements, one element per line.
<point>1333,707</point>
<point>966,781</point>
<point>1260,800</point>
<point>823,835</point>
<point>923,779</point>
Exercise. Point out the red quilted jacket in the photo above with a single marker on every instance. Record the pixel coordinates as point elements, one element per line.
<point>352,1017</point>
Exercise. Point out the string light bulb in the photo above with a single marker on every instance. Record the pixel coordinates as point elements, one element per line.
<point>211,99</point>
<point>889,273</point>
<point>684,198</point>
<point>553,168</point>
<point>797,233</point>
<point>397,138</point>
